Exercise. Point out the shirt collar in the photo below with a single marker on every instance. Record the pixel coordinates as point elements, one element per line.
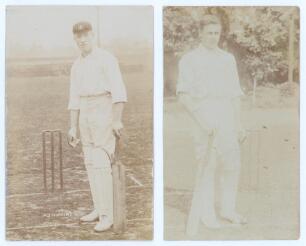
<point>93,51</point>
<point>209,51</point>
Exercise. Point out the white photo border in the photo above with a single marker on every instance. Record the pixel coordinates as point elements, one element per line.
<point>158,119</point>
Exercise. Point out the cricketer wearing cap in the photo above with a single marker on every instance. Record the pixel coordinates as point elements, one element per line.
<point>208,86</point>
<point>97,97</point>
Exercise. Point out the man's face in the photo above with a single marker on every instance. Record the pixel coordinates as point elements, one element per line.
<point>84,41</point>
<point>211,35</point>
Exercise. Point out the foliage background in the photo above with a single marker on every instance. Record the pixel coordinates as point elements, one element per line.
<point>257,36</point>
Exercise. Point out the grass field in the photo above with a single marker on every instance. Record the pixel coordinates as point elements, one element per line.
<point>38,102</point>
<point>268,193</point>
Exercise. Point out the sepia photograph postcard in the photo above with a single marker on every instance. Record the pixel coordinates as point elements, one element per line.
<point>79,122</point>
<point>231,123</point>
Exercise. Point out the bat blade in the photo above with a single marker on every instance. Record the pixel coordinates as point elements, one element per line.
<point>119,196</point>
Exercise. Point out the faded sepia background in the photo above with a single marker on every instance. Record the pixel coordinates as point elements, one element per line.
<point>265,43</point>
<point>39,53</point>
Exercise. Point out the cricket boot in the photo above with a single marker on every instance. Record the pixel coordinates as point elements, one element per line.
<point>93,216</point>
<point>104,224</point>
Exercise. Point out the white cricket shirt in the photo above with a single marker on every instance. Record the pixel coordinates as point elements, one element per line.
<point>208,73</point>
<point>211,80</point>
<point>95,74</point>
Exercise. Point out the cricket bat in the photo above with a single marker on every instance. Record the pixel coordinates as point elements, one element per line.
<point>193,220</point>
<point>194,216</point>
<point>119,192</point>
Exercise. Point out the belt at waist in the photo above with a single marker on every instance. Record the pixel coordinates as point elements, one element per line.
<point>106,93</point>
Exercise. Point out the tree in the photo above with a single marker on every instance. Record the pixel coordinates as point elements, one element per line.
<point>257,36</point>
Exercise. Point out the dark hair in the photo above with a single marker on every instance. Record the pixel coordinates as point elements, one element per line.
<point>209,19</point>
<point>82,26</point>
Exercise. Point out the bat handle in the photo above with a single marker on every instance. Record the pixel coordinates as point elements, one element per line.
<point>117,146</point>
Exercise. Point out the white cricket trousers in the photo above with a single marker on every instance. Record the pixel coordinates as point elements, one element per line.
<point>218,115</point>
<point>97,138</point>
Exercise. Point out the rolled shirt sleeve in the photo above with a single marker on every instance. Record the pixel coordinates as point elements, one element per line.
<point>74,98</point>
<point>185,83</point>
<point>236,90</point>
<point>189,79</point>
<point>115,81</point>
<point>184,76</point>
